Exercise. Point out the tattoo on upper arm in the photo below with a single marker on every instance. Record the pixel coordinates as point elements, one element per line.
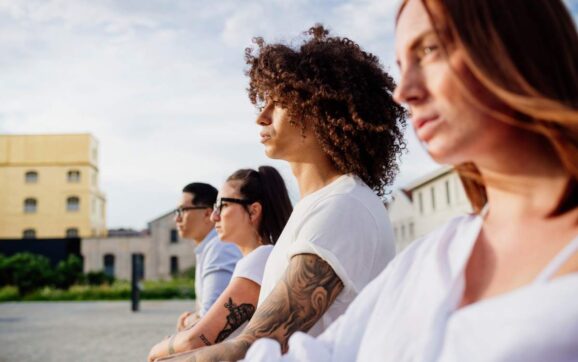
<point>305,293</point>
<point>238,314</point>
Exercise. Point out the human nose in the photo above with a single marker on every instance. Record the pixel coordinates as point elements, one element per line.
<point>215,216</point>
<point>410,89</point>
<point>265,117</point>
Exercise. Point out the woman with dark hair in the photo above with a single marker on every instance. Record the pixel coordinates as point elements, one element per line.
<point>252,209</point>
<point>492,87</point>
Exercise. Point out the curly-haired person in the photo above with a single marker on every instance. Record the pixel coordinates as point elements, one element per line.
<point>327,109</point>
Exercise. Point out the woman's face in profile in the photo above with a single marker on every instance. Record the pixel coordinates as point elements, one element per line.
<point>232,220</point>
<point>432,82</point>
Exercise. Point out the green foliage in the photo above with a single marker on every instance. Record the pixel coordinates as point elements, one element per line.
<point>27,276</point>
<point>27,271</point>
<point>119,290</point>
<point>9,293</point>
<point>98,278</point>
<point>68,272</point>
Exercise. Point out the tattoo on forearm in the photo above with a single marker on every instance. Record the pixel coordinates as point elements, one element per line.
<point>238,314</point>
<point>304,294</point>
<point>205,340</point>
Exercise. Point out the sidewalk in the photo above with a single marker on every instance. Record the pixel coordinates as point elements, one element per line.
<point>84,331</point>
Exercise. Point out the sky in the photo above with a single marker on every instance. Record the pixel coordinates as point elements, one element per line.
<point>161,85</point>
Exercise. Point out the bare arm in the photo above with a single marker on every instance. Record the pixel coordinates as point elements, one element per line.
<point>301,297</point>
<point>232,309</point>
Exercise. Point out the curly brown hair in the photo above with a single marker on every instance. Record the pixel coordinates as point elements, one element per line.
<point>340,90</point>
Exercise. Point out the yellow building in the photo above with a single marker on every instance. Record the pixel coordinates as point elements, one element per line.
<point>49,187</point>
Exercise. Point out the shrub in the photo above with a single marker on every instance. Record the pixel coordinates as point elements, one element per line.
<point>98,278</point>
<point>68,272</point>
<point>29,272</point>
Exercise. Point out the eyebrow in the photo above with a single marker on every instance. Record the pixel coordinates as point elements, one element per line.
<point>417,41</point>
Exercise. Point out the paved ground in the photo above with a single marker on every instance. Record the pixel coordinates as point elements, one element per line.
<point>84,331</point>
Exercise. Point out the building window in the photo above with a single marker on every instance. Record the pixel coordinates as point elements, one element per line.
<point>448,200</point>
<point>395,232</point>
<point>73,176</point>
<point>433,198</point>
<point>174,236</point>
<point>72,204</point>
<point>72,233</point>
<point>402,232</point>
<point>420,201</point>
<point>109,265</point>
<point>31,177</point>
<point>174,265</point>
<point>94,180</point>
<point>29,234</point>
<point>411,231</point>
<point>30,206</point>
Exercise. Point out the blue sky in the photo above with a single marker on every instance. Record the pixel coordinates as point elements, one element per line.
<point>160,84</point>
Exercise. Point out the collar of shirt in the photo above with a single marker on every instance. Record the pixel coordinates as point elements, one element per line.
<point>210,236</point>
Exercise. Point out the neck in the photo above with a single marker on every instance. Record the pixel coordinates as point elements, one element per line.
<point>312,176</point>
<point>526,183</point>
<point>199,238</point>
<point>249,245</point>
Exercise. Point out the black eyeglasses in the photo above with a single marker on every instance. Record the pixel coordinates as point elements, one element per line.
<point>218,207</point>
<point>179,211</point>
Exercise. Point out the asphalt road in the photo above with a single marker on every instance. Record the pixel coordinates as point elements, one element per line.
<point>84,331</point>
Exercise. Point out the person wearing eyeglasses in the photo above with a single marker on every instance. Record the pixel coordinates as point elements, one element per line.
<point>327,108</point>
<point>252,209</point>
<point>215,260</point>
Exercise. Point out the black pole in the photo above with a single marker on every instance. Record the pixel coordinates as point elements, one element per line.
<point>135,292</point>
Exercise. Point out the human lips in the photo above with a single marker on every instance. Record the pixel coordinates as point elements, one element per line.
<point>425,126</point>
<point>264,137</point>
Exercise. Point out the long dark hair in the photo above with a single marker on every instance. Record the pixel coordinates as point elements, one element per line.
<point>524,54</point>
<point>267,187</point>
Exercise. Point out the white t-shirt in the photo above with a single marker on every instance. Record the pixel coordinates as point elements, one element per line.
<point>346,225</point>
<point>252,265</point>
<point>410,312</point>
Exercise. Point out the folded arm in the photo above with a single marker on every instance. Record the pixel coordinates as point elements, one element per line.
<point>232,309</point>
<point>301,297</point>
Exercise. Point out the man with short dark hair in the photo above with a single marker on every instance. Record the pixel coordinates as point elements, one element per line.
<point>216,260</point>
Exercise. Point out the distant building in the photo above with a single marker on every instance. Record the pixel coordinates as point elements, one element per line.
<point>49,187</point>
<point>427,203</point>
<point>162,252</point>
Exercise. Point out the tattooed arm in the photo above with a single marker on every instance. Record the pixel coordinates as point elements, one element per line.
<point>232,309</point>
<point>301,297</point>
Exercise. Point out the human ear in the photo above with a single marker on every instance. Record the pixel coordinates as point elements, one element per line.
<point>255,211</point>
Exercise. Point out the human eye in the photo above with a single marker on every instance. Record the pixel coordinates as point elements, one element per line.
<point>428,50</point>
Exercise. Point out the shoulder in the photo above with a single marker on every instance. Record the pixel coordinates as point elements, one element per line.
<point>252,265</point>
<point>432,244</point>
<point>257,257</point>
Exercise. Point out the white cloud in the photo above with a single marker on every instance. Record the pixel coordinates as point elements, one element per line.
<point>161,84</point>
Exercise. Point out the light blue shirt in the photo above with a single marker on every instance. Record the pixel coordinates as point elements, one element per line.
<point>216,261</point>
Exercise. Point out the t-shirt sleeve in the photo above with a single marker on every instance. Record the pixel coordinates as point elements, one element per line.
<point>342,338</point>
<point>344,233</point>
<point>252,266</point>
<point>219,264</point>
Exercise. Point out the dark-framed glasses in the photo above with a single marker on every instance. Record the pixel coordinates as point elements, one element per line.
<point>218,207</point>
<point>179,211</point>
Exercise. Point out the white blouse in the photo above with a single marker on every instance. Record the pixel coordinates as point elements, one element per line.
<point>410,312</point>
